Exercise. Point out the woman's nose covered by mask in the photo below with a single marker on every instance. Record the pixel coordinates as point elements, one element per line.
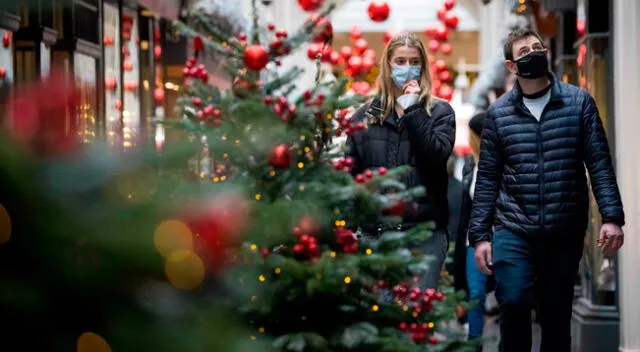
<point>401,74</point>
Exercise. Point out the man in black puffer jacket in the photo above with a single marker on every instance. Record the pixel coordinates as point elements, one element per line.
<point>532,193</point>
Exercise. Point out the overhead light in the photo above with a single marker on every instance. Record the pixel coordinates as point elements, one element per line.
<point>147,13</point>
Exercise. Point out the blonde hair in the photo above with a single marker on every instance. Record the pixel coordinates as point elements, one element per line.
<point>385,83</point>
<point>474,143</point>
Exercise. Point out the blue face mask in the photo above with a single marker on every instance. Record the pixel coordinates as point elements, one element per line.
<point>401,74</point>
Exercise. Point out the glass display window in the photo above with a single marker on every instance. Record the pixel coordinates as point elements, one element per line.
<point>113,75</point>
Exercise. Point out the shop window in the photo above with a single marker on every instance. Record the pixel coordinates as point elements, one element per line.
<point>131,79</point>
<point>85,71</point>
<point>113,75</point>
<point>6,64</point>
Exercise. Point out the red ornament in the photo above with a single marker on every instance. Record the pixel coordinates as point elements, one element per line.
<point>361,45</point>
<point>310,5</point>
<point>445,76</point>
<point>334,58</point>
<point>446,49</point>
<point>449,4</point>
<point>242,36</point>
<point>433,46</point>
<point>346,52</point>
<point>3,72</point>
<point>440,13</point>
<point>6,39</point>
<point>361,88</point>
<point>355,64</point>
<point>431,31</point>
<point>271,27</point>
<point>355,33</point>
<point>280,157</point>
<point>127,65</point>
<point>323,27</point>
<point>388,35</point>
<point>282,34</point>
<point>158,94</point>
<point>313,50</point>
<point>118,105</point>
<point>581,27</point>
<point>451,20</point>
<point>367,63</point>
<point>442,34</point>
<point>110,83</point>
<point>255,57</point>
<point>441,65</point>
<point>396,209</point>
<point>378,10</point>
<point>157,51</point>
<point>445,92</point>
<point>108,41</point>
<point>198,43</point>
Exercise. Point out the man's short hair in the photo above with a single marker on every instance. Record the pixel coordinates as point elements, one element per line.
<point>516,35</point>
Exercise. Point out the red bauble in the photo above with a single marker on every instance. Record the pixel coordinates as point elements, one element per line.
<point>396,209</point>
<point>346,52</point>
<point>440,14</point>
<point>369,53</point>
<point>355,33</point>
<point>198,43</point>
<point>280,157</point>
<point>255,57</point>
<point>355,64</point>
<point>367,63</point>
<point>324,28</point>
<point>310,5</point>
<point>107,41</point>
<point>118,105</point>
<point>3,72</point>
<point>581,27</point>
<point>334,58</point>
<point>446,49</point>
<point>378,10</point>
<point>6,39</point>
<point>158,94</point>
<point>361,45</point>
<point>361,88</point>
<point>110,83</point>
<point>157,51</point>
<point>431,31</point>
<point>445,92</point>
<point>127,65</point>
<point>451,20</point>
<point>308,225</point>
<point>313,50</point>
<point>433,46</point>
<point>449,4</point>
<point>388,35</point>
<point>441,65</point>
<point>442,33</point>
<point>445,76</point>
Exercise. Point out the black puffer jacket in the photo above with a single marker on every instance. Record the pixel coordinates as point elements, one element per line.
<point>531,175</point>
<point>421,140</point>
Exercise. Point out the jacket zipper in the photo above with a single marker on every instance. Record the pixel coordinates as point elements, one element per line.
<point>540,175</point>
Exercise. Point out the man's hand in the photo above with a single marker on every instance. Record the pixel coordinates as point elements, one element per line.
<point>482,255</point>
<point>611,238</point>
<point>411,87</point>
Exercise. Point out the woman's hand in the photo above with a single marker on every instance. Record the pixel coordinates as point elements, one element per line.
<point>411,87</point>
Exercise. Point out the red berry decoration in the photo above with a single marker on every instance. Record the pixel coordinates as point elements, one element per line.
<point>313,51</point>
<point>280,157</point>
<point>242,36</point>
<point>158,94</point>
<point>324,28</point>
<point>445,76</point>
<point>3,72</point>
<point>127,65</point>
<point>271,26</point>
<point>378,10</point>
<point>451,20</point>
<point>310,5</point>
<point>382,171</point>
<point>441,65</point>
<point>361,45</point>
<point>433,46</point>
<point>449,4</point>
<point>6,39</point>
<point>255,57</point>
<point>355,33</point>
<point>396,209</point>
<point>442,33</point>
<point>446,49</point>
<point>445,92</point>
<point>198,43</point>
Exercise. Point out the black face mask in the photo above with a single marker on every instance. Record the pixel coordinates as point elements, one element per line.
<point>533,65</point>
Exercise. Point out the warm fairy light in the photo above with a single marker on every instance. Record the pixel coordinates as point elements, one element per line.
<point>369,251</point>
<point>347,280</point>
<point>272,173</point>
<point>375,308</point>
<point>307,149</point>
<point>171,236</point>
<point>329,116</point>
<point>254,247</point>
<point>300,165</point>
<point>261,278</point>
<point>301,188</point>
<point>277,271</point>
<point>261,330</point>
<point>414,314</point>
<point>258,196</point>
<point>225,155</point>
<point>254,298</point>
<point>224,138</point>
<point>216,179</point>
<point>252,338</point>
<point>5,225</point>
<point>184,269</point>
<point>340,223</point>
<point>302,137</point>
<point>222,178</point>
<point>333,254</point>
<point>431,325</point>
<point>92,342</point>
<point>405,308</point>
<point>237,141</point>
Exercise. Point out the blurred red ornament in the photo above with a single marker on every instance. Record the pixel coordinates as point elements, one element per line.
<point>435,86</point>
<point>310,5</point>
<point>445,92</point>
<point>396,209</point>
<point>156,34</point>
<point>334,58</point>
<point>361,87</point>
<point>271,27</point>
<point>442,33</point>
<point>127,65</point>
<point>581,27</point>
<point>6,39</point>
<point>282,34</point>
<point>157,51</point>
<point>118,105</point>
<point>3,72</point>
<point>430,59</point>
<point>441,65</point>
<point>158,94</point>
<point>355,64</point>
<point>326,53</point>
<point>388,35</point>
<point>218,224</point>
<point>198,43</point>
<point>378,10</point>
<point>367,63</point>
<point>449,4</point>
<point>440,14</point>
<point>130,86</point>
<point>369,53</point>
<point>255,57</point>
<point>37,114</point>
<point>313,50</point>
<point>451,20</point>
<point>346,52</point>
<point>361,45</point>
<point>355,33</point>
<point>110,83</point>
<point>431,31</point>
<point>433,46</point>
<point>280,157</point>
<point>324,28</point>
<point>308,225</point>
<point>107,41</point>
<point>446,49</point>
<point>242,36</point>
<point>445,76</point>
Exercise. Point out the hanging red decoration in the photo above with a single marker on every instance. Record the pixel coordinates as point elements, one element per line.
<point>369,53</point>
<point>378,10</point>
<point>446,92</point>
<point>446,49</point>
<point>280,157</point>
<point>127,65</point>
<point>310,5</point>
<point>433,46</point>
<point>449,4</point>
<point>125,51</point>
<point>440,14</point>
<point>451,20</point>
<point>367,63</point>
<point>581,27</point>
<point>355,64</point>
<point>441,65</point>
<point>346,52</point>
<point>435,85</point>
<point>255,57</point>
<point>445,76</point>
<point>388,35</point>
<point>355,33</point>
<point>431,31</point>
<point>361,88</point>
<point>361,45</point>
<point>442,33</point>
<point>324,29</point>
<point>118,105</point>
<point>3,73</point>
<point>158,94</point>
<point>6,39</point>
<point>313,50</point>
<point>334,58</point>
<point>198,43</point>
<point>110,83</point>
<point>396,209</point>
<point>157,51</point>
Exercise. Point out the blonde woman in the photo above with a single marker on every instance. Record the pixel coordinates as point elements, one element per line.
<point>407,126</point>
